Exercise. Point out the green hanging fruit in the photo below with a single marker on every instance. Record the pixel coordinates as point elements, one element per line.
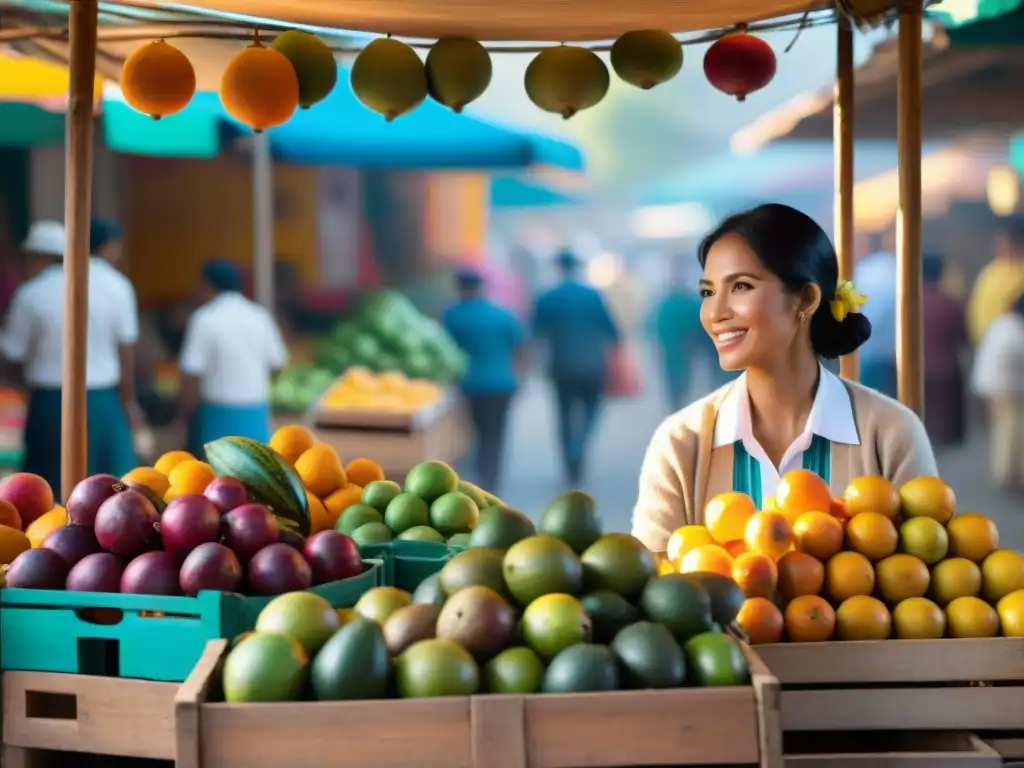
<point>314,65</point>
<point>647,57</point>
<point>458,71</point>
<point>566,79</point>
<point>389,78</point>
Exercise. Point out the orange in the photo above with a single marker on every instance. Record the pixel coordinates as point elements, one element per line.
<point>928,497</point>
<point>362,472</point>
<point>953,578</point>
<point>319,518</point>
<point>872,534</point>
<point>190,476</point>
<point>769,533</point>
<point>291,441</point>
<point>157,79</point>
<point>43,526</point>
<point>1002,573</point>
<point>918,618</point>
<point>902,576</point>
<point>342,499</point>
<point>259,88</point>
<point>799,574</point>
<point>151,478</point>
<point>838,511</point>
<point>800,490</point>
<point>710,558</point>
<point>848,574</point>
<point>321,470</point>
<point>1011,614</point>
<point>863,617</point>
<point>755,574</point>
<point>809,619</point>
<point>971,617</point>
<point>726,516</point>
<point>685,538</point>
<point>972,536</point>
<point>736,548</point>
<point>818,534</point>
<point>170,460</point>
<point>871,494</point>
<point>761,620</point>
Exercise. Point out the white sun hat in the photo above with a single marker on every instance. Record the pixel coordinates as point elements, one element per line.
<point>46,237</point>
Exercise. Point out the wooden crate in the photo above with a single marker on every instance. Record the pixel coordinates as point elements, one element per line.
<point>715,726</point>
<point>891,750</point>
<point>886,685</point>
<point>86,714</point>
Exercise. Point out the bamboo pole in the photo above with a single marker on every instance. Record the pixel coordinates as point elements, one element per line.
<point>77,210</point>
<point>842,140</point>
<point>263,220</point>
<point>909,346</point>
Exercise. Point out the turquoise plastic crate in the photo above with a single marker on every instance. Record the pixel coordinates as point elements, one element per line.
<point>407,563</point>
<point>55,631</point>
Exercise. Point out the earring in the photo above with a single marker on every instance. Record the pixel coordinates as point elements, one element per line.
<point>802,316</point>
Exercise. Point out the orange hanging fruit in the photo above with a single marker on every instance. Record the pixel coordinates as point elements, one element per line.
<point>158,80</point>
<point>259,87</point>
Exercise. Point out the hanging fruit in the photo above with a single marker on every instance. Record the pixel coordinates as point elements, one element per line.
<point>739,64</point>
<point>458,71</point>
<point>389,77</point>
<point>259,87</point>
<point>647,57</point>
<point>314,64</point>
<point>566,79</point>
<point>158,80</point>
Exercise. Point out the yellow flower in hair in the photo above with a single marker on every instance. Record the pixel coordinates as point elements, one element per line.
<point>847,301</point>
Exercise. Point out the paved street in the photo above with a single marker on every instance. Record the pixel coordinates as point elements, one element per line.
<point>533,470</point>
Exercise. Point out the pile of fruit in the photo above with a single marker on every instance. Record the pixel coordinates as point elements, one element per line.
<point>565,609</point>
<point>389,392</point>
<point>880,562</point>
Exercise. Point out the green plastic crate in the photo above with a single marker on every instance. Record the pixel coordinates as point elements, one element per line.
<point>53,631</point>
<point>407,563</point>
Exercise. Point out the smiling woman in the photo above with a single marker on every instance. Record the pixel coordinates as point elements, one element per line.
<point>774,306</point>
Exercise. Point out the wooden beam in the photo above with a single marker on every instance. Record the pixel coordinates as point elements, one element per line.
<point>842,127</point>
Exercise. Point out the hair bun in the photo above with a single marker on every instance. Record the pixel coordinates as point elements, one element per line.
<point>832,338</point>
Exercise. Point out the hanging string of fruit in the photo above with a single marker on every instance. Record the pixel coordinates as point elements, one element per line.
<point>389,77</point>
<point>566,79</point>
<point>313,62</point>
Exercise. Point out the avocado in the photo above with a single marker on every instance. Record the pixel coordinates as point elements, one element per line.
<point>649,656</point>
<point>572,517</point>
<point>541,565</point>
<point>679,604</point>
<point>473,567</point>
<point>581,668</point>
<point>430,591</point>
<point>265,666</point>
<point>726,596</point>
<point>478,619</point>
<point>609,612</point>
<point>500,528</point>
<point>409,625</point>
<point>353,664</point>
<point>714,658</point>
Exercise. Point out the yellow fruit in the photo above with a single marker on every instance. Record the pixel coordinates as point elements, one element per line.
<point>319,518</point>
<point>726,516</point>
<point>928,497</point>
<point>710,558</point>
<point>170,460</point>
<point>362,472</point>
<point>924,538</point>
<point>291,441</point>
<point>871,494</point>
<point>918,618</point>
<point>848,574</point>
<point>971,617</point>
<point>190,476</point>
<point>863,617</point>
<point>43,526</point>
<point>872,534</point>
<point>769,533</point>
<point>818,534</point>
<point>953,578</point>
<point>685,538</point>
<point>12,543</point>
<point>664,565</point>
<point>900,577</point>
<point>1011,613</point>
<point>972,536</point>
<point>1002,572</point>
<point>800,491</point>
<point>321,470</point>
<point>151,478</point>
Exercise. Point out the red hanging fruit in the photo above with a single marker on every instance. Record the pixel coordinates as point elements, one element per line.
<point>738,64</point>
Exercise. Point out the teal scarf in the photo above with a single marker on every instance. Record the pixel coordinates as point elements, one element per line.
<point>746,470</point>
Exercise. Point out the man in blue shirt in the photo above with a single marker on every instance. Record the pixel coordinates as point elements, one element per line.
<point>493,340</point>
<point>574,320</point>
<point>875,277</point>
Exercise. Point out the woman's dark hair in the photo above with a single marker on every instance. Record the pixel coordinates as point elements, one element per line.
<point>797,251</point>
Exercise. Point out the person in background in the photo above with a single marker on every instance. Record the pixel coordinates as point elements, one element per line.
<point>231,351</point>
<point>574,321</point>
<point>945,341</point>
<point>493,340</point>
<point>33,340</point>
<point>875,275</point>
<point>998,377</point>
<point>1000,281</point>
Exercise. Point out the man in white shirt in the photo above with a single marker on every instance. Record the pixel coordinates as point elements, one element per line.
<point>231,350</point>
<point>32,340</point>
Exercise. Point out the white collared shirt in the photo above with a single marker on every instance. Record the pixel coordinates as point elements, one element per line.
<point>33,333</point>
<point>232,345</point>
<point>831,417</point>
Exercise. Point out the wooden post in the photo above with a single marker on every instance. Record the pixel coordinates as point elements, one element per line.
<point>842,140</point>
<point>909,346</point>
<point>77,212</point>
<point>263,221</point>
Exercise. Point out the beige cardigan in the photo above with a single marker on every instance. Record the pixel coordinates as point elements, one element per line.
<point>681,470</point>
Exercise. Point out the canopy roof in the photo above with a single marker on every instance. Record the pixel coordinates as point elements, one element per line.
<point>521,192</point>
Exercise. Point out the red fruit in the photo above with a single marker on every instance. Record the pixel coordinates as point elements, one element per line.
<point>248,529</point>
<point>277,569</point>
<point>99,572</point>
<point>739,64</point>
<point>332,556</point>
<point>30,494</point>
<point>152,573</point>
<point>227,493</point>
<point>187,522</point>
<point>72,542</point>
<point>210,566</point>
<point>126,524</point>
<point>37,569</point>
<point>86,497</point>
